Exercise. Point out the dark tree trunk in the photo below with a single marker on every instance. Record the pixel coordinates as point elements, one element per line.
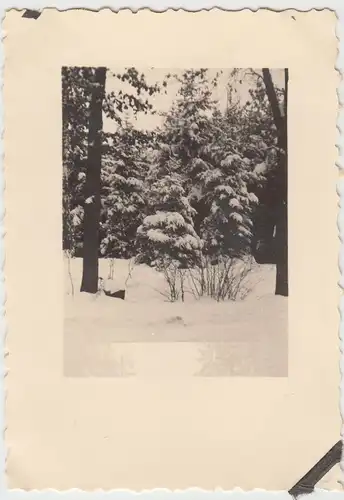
<point>92,185</point>
<point>282,283</point>
<point>281,237</point>
<point>281,245</point>
<point>263,249</point>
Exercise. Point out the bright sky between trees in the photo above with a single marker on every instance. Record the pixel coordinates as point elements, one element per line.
<point>163,101</point>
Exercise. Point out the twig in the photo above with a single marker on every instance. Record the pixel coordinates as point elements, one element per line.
<point>130,269</point>
<point>70,271</point>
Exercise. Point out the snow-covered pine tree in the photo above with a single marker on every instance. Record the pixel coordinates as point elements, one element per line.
<point>132,98</point>
<point>257,140</point>
<point>224,177</point>
<point>168,233</point>
<point>227,229</point>
<point>124,171</point>
<point>217,176</point>
<point>167,236</point>
<point>76,95</point>
<point>213,177</point>
<point>186,126</point>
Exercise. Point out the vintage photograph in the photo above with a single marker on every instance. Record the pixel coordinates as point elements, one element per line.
<point>172,322</point>
<point>175,219</point>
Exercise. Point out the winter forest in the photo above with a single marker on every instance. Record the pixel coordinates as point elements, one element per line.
<point>175,202</point>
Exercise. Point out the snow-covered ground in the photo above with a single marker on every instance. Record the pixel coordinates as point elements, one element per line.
<point>149,336</point>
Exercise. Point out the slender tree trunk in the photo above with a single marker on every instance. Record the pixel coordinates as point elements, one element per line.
<point>281,238</point>
<point>92,185</point>
<point>263,247</point>
<point>282,283</point>
<point>281,244</point>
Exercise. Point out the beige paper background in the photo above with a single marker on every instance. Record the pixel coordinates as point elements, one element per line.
<point>143,433</point>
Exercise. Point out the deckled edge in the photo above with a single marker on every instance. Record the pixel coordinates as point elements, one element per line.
<point>165,5</point>
<point>161,9</point>
<point>340,188</point>
<point>3,329</point>
<point>203,5</point>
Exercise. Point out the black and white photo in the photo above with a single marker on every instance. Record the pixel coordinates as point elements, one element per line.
<point>171,243</point>
<point>175,214</point>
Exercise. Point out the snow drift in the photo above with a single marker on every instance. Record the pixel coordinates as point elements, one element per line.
<point>246,338</point>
